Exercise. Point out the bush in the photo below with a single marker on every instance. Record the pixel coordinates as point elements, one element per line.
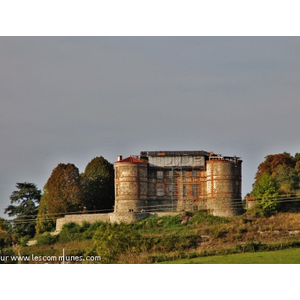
<point>112,240</point>
<point>268,207</point>
<point>24,240</point>
<point>205,218</point>
<point>90,230</point>
<point>171,243</point>
<point>70,232</point>
<point>264,208</point>
<point>153,223</point>
<point>5,240</point>
<point>46,239</point>
<point>251,247</point>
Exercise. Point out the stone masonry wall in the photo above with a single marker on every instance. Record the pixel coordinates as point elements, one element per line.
<point>110,217</point>
<point>80,219</point>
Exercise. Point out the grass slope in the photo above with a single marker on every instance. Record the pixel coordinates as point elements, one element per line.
<point>287,256</point>
<point>185,236</point>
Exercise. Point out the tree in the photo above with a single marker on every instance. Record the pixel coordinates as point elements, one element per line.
<point>62,194</point>
<point>266,191</point>
<point>271,162</point>
<point>24,206</point>
<point>297,164</point>
<point>265,186</point>
<point>287,179</point>
<point>98,184</point>
<point>4,224</point>
<point>45,222</point>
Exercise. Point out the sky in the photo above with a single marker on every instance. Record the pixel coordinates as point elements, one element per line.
<point>70,99</point>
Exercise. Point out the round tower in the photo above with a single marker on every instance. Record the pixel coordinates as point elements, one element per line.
<point>131,186</point>
<point>224,185</point>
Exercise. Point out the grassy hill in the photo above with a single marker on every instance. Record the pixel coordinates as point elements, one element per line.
<point>187,235</point>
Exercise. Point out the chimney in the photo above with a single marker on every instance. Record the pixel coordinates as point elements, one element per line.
<point>119,157</point>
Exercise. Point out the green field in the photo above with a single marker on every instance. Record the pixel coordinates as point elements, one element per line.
<point>287,256</point>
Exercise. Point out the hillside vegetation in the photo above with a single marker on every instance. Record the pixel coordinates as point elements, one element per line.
<point>187,235</point>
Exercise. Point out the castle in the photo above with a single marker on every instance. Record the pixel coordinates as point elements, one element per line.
<point>178,180</point>
<point>162,182</point>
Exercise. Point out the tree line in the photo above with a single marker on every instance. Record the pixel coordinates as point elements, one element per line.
<point>66,191</point>
<point>277,177</point>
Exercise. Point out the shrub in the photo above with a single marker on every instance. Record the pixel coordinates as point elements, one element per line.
<point>268,206</point>
<point>204,218</point>
<point>90,231</point>
<point>251,247</point>
<point>46,239</point>
<point>70,232</point>
<point>24,240</point>
<point>218,233</point>
<point>112,240</point>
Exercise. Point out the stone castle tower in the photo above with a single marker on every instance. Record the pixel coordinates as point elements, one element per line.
<point>178,180</point>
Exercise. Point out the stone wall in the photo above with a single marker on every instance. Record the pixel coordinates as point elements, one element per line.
<point>111,217</point>
<point>127,217</point>
<point>80,219</point>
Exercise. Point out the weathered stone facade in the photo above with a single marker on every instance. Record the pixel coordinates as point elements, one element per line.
<point>178,180</point>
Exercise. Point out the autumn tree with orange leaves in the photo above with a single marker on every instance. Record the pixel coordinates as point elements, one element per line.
<point>62,193</point>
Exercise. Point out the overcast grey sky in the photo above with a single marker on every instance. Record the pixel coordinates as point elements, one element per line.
<point>72,99</point>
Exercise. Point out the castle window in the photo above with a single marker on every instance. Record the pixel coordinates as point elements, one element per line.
<point>194,173</point>
<point>183,173</point>
<point>170,189</point>
<point>184,190</point>
<point>159,191</point>
<point>195,190</point>
<point>160,174</point>
<point>170,173</point>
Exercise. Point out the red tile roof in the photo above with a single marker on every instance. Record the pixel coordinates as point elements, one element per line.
<point>130,160</point>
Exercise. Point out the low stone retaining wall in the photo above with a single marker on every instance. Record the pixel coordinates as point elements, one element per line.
<point>80,219</point>
<point>126,217</point>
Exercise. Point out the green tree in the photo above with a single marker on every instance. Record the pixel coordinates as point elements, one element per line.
<point>287,179</point>
<point>24,207</point>
<point>4,225</point>
<point>98,184</point>
<point>266,192</point>
<point>45,222</point>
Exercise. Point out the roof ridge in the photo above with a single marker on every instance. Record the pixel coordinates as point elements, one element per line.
<point>130,159</point>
